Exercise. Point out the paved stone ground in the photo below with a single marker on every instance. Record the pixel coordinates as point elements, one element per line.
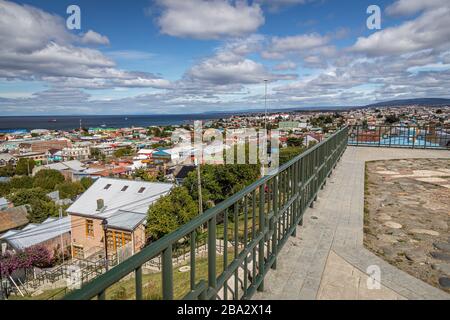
<point>407,211</point>
<point>332,236</point>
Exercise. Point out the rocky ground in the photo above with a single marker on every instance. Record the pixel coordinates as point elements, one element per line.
<point>407,214</point>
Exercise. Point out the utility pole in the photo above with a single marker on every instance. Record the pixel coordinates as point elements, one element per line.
<point>199,179</point>
<point>263,171</point>
<point>61,236</point>
<point>198,155</point>
<point>265,103</point>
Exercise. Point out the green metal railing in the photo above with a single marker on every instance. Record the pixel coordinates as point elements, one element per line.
<point>253,224</point>
<point>414,137</point>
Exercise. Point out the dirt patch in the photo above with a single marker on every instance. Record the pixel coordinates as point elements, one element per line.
<point>406,216</point>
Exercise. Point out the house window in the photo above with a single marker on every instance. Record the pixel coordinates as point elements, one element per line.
<point>78,252</point>
<point>107,186</point>
<point>141,190</point>
<point>117,239</point>
<point>125,188</point>
<point>89,228</point>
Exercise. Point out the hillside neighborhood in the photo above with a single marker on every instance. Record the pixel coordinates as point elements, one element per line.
<point>71,200</point>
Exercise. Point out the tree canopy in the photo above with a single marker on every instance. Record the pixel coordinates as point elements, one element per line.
<point>170,212</point>
<point>40,206</point>
<point>48,179</point>
<point>24,166</point>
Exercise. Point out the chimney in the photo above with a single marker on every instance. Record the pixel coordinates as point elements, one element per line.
<point>100,204</point>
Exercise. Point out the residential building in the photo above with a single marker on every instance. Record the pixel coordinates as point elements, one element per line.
<point>50,234</point>
<point>78,152</point>
<point>7,159</point>
<point>69,169</point>
<point>120,204</point>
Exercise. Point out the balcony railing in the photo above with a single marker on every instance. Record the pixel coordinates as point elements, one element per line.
<point>414,137</point>
<point>253,225</point>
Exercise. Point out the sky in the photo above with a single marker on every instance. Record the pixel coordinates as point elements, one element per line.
<point>193,56</point>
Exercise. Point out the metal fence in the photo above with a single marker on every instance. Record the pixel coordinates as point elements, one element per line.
<point>256,222</point>
<point>414,137</point>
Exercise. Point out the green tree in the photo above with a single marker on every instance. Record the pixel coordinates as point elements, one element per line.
<point>40,206</point>
<point>5,189</point>
<point>170,212</point>
<point>23,182</point>
<point>294,142</point>
<point>391,119</point>
<point>48,179</point>
<point>24,166</point>
<point>289,153</point>
<point>122,152</point>
<point>7,171</point>
<point>220,181</point>
<point>69,190</point>
<point>86,182</point>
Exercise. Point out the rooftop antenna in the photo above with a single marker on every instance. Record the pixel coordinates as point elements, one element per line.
<point>265,103</point>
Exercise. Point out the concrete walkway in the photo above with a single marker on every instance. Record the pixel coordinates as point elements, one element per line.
<point>327,259</point>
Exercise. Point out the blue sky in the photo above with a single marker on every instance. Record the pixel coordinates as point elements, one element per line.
<point>187,56</point>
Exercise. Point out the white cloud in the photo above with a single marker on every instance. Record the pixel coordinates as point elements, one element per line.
<point>408,7</point>
<point>229,66</point>
<point>286,65</point>
<point>25,28</point>
<point>37,46</point>
<point>303,44</point>
<point>275,5</point>
<point>428,30</point>
<point>92,37</point>
<point>209,19</point>
<point>130,55</point>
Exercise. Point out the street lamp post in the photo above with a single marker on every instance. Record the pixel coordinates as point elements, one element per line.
<point>105,229</point>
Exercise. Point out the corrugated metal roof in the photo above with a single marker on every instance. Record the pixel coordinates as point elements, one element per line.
<point>125,220</point>
<point>37,234</point>
<point>115,199</point>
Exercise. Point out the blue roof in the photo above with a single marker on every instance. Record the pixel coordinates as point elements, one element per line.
<point>161,153</point>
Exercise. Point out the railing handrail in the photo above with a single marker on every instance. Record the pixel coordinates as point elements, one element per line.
<point>427,136</point>
<point>104,281</point>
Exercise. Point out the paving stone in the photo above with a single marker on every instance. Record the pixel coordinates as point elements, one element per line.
<point>417,257</point>
<point>425,231</point>
<point>444,282</point>
<point>393,225</point>
<point>440,256</point>
<point>442,246</point>
<point>442,267</point>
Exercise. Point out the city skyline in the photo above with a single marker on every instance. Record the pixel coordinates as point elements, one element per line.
<point>170,56</point>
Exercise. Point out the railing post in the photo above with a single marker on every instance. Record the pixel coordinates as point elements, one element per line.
<point>261,249</point>
<point>212,280</point>
<point>167,273</point>
<point>273,223</point>
<point>138,283</point>
<point>295,203</point>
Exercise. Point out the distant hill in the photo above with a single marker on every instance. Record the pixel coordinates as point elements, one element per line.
<point>406,102</point>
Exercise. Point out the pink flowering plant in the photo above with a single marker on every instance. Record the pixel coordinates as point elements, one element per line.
<point>36,256</point>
